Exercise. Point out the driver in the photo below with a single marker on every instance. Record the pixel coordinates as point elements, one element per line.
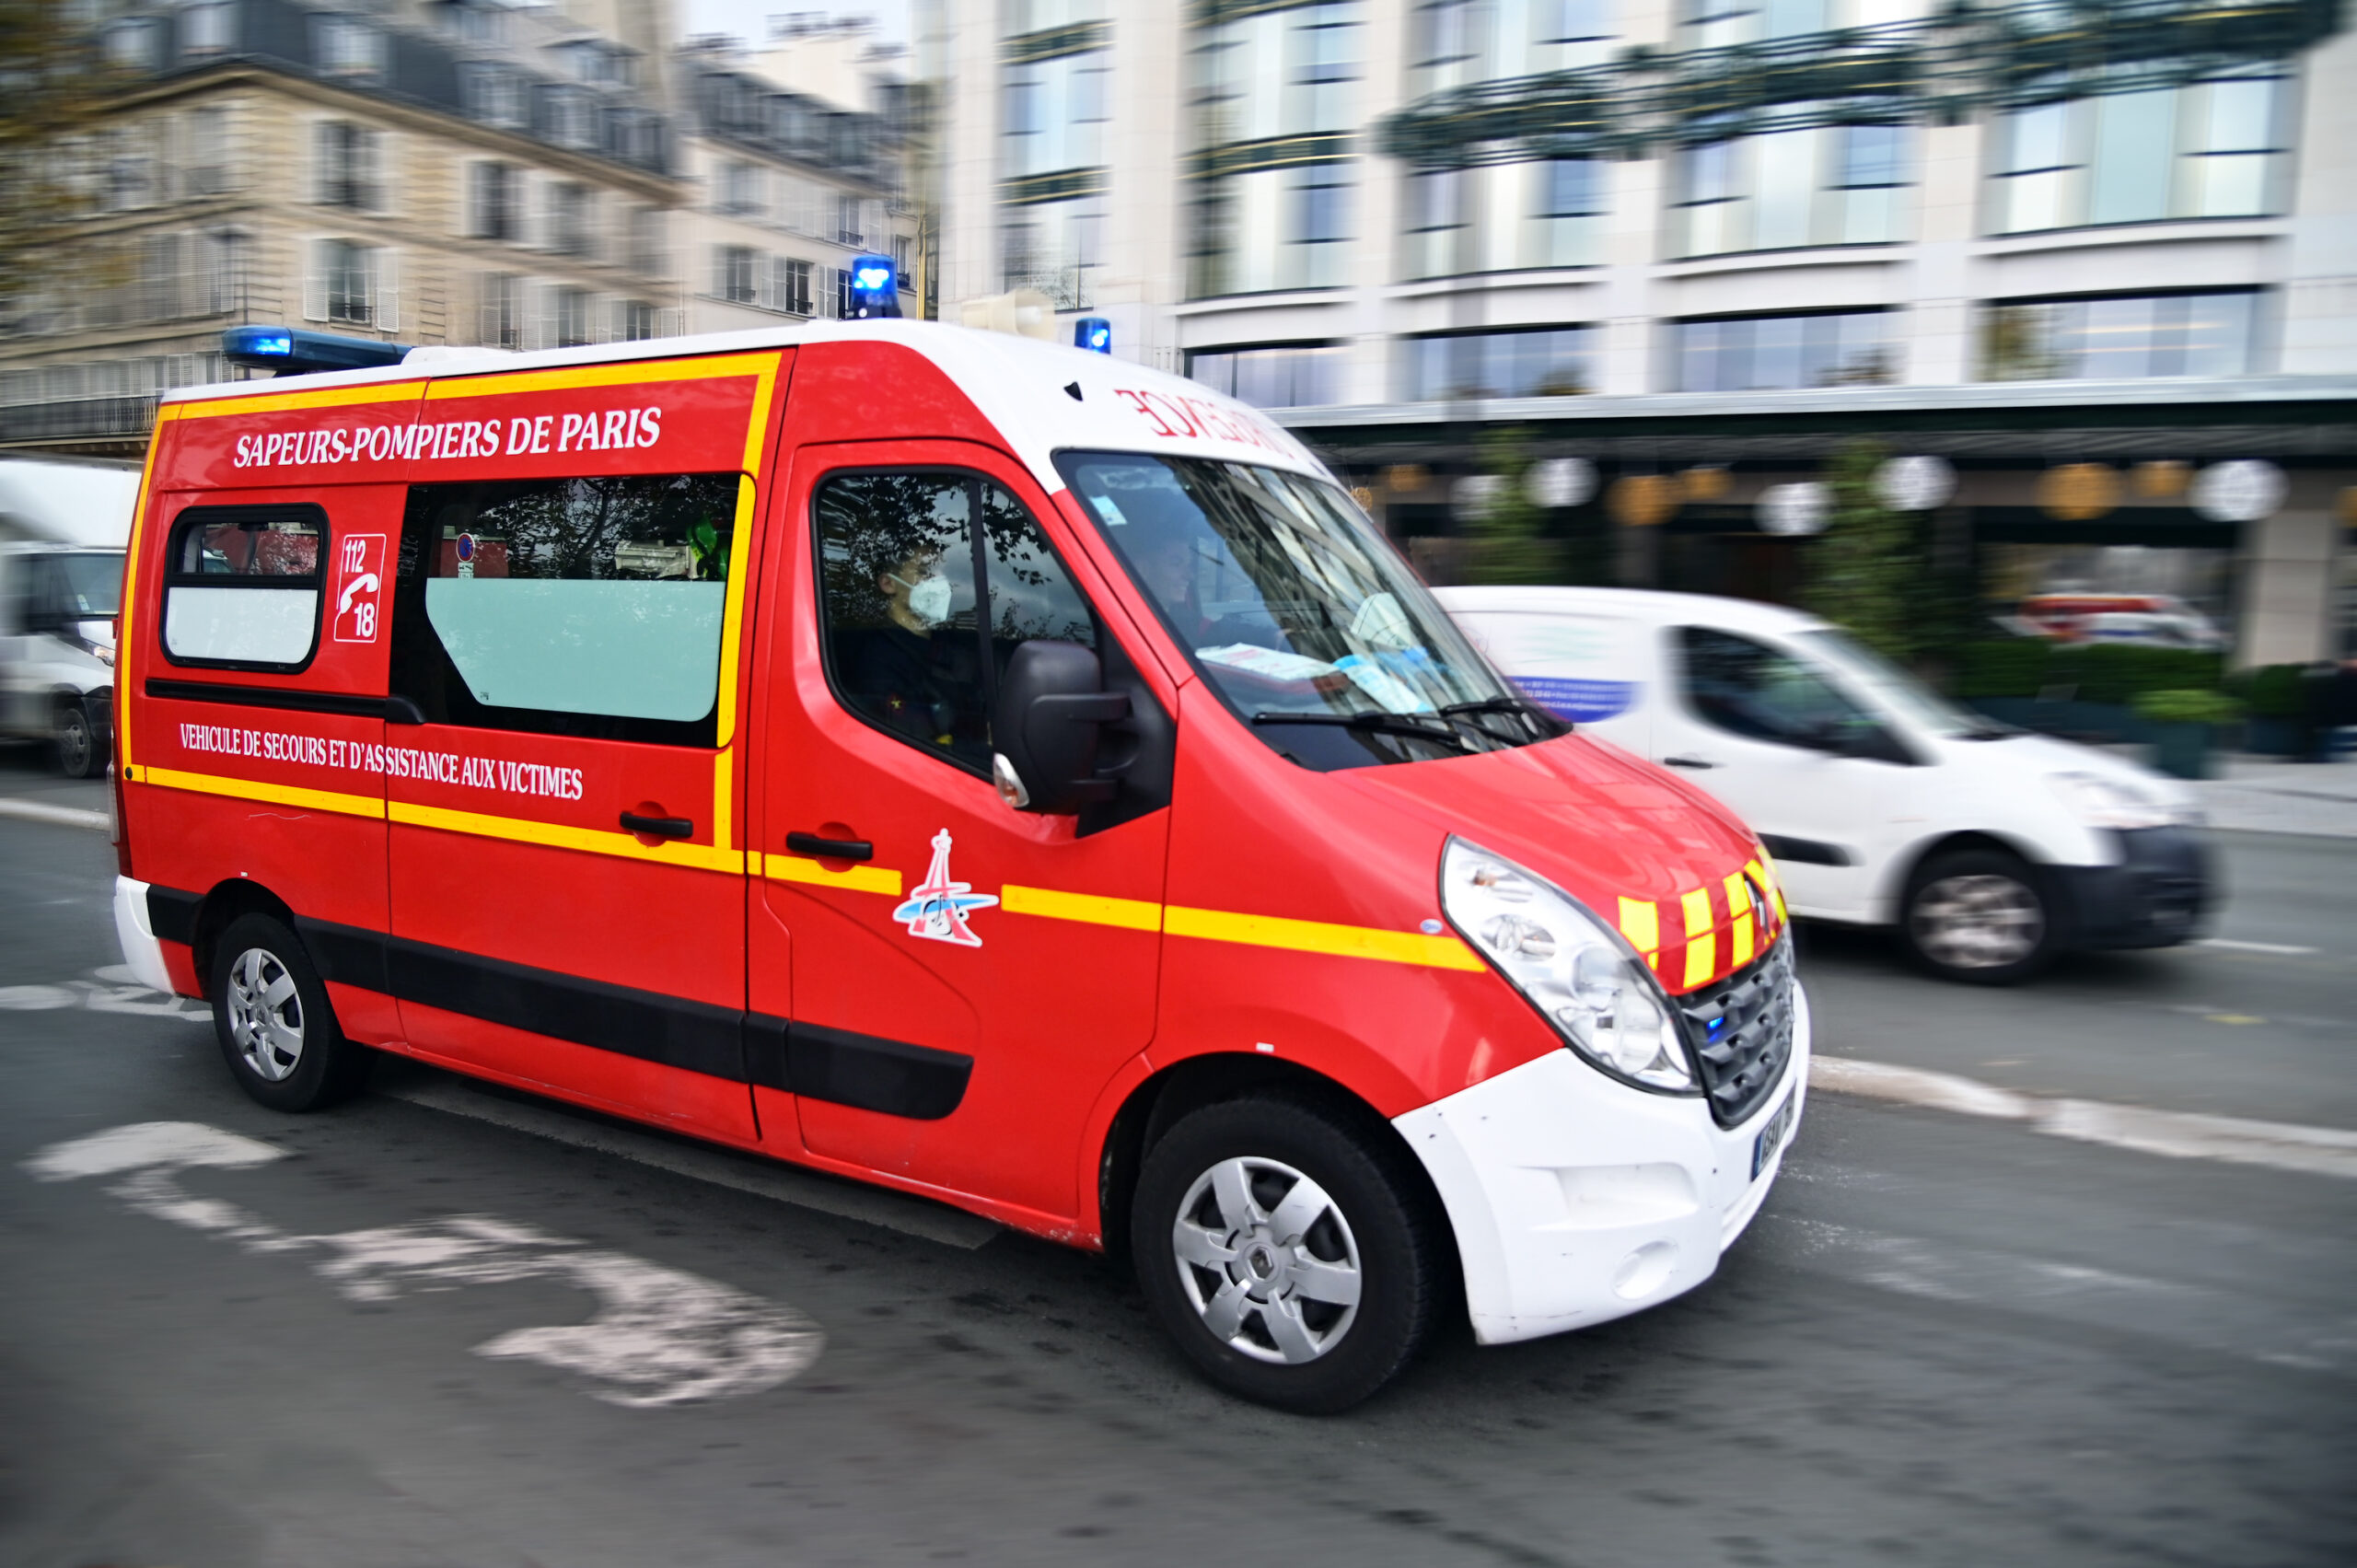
<point>910,680</point>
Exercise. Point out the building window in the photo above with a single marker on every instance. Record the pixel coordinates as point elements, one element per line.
<point>2212,149</point>
<point>569,117</point>
<point>740,190</point>
<point>210,171</point>
<point>1271,375</point>
<point>1315,52</point>
<point>1531,362</point>
<point>134,43</point>
<point>348,164</point>
<point>901,246</point>
<point>1826,185</point>
<point>1435,213</point>
<point>733,274</point>
<point>1056,111</point>
<point>1748,354</point>
<point>848,229</point>
<point>350,285</point>
<point>501,321</point>
<point>492,94</point>
<point>1279,228</point>
<point>494,202</point>
<point>209,27</point>
<point>790,286</point>
<point>634,321</point>
<point>647,256</point>
<point>1454,43</point>
<point>1055,248</point>
<point>221,271</point>
<point>571,228</point>
<point>2120,337</point>
<point>1723,24</point>
<point>346,46</point>
<point>160,277</point>
<point>573,309</point>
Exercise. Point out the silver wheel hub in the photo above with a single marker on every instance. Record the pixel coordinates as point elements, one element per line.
<point>265,1013</point>
<point>1267,1260</point>
<point>1983,920</point>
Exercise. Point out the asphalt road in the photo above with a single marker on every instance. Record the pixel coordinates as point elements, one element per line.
<point>1944,1340</point>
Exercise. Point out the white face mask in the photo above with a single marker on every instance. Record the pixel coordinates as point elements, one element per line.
<point>928,597</point>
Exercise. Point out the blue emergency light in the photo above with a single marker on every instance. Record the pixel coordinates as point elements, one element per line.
<point>1094,333</point>
<point>290,351</point>
<point>875,291</point>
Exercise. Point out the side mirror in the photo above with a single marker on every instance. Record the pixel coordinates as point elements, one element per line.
<point>1052,702</point>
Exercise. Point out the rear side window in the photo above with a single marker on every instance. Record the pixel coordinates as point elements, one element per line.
<point>242,586</point>
<point>929,580</point>
<point>591,607</point>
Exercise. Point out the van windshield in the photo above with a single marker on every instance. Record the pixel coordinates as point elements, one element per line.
<point>1298,613</point>
<point>88,584</point>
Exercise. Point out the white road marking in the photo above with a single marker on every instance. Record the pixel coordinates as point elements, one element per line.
<point>2179,1135</point>
<point>36,998</point>
<point>56,816</point>
<point>109,989</point>
<point>781,1182</point>
<point>2234,945</point>
<point>660,1336</point>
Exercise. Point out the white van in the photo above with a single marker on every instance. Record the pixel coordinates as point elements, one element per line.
<point>57,607</point>
<point>1989,848</point>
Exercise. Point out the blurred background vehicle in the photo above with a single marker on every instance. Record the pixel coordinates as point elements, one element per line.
<point>62,531</point>
<point>2159,619</point>
<point>1989,849</point>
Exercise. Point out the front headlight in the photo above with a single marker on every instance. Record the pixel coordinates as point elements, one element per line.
<point>1588,984</point>
<point>2108,803</point>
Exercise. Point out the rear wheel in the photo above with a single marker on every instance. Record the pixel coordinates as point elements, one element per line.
<point>271,1013</point>
<point>80,752</point>
<point>1979,915</point>
<point>1289,1257</point>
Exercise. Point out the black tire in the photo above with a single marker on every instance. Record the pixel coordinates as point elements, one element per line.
<point>81,750</point>
<point>1376,1226</point>
<point>253,1020</point>
<point>1981,916</point>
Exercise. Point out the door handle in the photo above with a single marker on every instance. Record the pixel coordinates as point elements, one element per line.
<point>659,827</point>
<point>816,848</point>
<point>1695,763</point>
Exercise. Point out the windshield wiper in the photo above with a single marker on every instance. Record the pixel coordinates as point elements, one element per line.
<point>1541,720</point>
<point>1433,729</point>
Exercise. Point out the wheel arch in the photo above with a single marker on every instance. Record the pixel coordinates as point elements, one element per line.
<point>1156,1103</point>
<point>223,904</point>
<point>1892,896</point>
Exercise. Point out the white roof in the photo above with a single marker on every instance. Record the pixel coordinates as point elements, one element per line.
<point>83,504</point>
<point>1631,604</point>
<point>1019,384</point>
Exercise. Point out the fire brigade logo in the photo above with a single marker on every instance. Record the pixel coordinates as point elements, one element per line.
<point>936,908</point>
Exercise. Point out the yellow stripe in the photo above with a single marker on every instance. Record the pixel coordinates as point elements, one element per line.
<point>724,797</point>
<point>856,879</point>
<point>1641,923</point>
<point>1702,948</point>
<point>1316,936</point>
<point>1739,928</point>
<point>254,789</point>
<point>319,397</point>
<point>621,373</point>
<point>732,618</point>
<point>552,835</point>
<point>1765,869</point>
<point>1094,908</point>
<point>127,638</point>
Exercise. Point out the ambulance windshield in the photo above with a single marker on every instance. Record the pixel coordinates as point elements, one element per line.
<point>1298,613</point>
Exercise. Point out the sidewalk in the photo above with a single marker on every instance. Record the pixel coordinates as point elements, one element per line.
<point>2266,795</point>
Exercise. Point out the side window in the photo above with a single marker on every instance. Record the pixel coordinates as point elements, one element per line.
<point>1749,689</point>
<point>588,606</point>
<point>903,575</point>
<point>242,586</point>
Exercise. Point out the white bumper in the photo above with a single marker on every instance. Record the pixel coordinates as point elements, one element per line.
<point>1576,1199</point>
<point>142,954</point>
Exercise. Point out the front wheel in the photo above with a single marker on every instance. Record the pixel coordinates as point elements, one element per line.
<point>1288,1256</point>
<point>271,1013</point>
<point>80,753</point>
<point>1981,916</point>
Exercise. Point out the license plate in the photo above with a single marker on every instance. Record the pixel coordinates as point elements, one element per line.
<point>1771,1138</point>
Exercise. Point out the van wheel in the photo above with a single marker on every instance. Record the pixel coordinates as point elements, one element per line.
<point>1289,1259</point>
<point>275,1027</point>
<point>1981,916</point>
<point>80,753</point>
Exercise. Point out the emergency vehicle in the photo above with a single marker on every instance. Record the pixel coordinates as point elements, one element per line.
<point>987,768</point>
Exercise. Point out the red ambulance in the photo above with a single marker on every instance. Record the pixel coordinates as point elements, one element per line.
<point>986,769</point>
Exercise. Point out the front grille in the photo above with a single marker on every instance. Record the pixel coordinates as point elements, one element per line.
<point>1742,1030</point>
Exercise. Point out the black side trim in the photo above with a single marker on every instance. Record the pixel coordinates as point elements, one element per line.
<point>885,1076</point>
<point>861,1071</point>
<point>348,704</point>
<point>1805,852</point>
<point>171,915</point>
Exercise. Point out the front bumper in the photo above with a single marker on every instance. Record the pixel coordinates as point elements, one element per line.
<point>1577,1200</point>
<point>143,955</point>
<point>2159,893</point>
